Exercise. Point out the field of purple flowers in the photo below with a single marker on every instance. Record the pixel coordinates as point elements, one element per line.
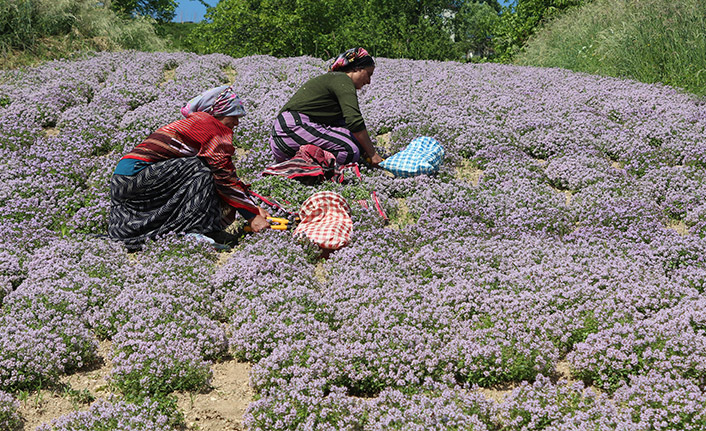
<point>582,244</point>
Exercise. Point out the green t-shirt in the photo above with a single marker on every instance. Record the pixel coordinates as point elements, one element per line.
<point>328,99</point>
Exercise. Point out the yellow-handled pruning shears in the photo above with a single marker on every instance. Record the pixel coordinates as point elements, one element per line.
<point>276,223</point>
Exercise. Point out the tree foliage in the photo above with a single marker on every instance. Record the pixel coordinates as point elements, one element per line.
<point>520,20</point>
<point>391,28</point>
<point>160,10</point>
<point>277,27</point>
<point>411,28</point>
<point>417,29</point>
<point>473,28</point>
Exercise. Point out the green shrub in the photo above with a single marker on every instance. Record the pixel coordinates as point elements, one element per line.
<point>521,19</point>
<point>324,28</point>
<point>177,35</point>
<point>55,28</point>
<point>646,40</point>
<point>18,26</point>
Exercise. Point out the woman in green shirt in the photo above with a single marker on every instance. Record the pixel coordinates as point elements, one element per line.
<point>325,112</point>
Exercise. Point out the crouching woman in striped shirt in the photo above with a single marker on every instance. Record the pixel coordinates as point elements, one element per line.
<point>325,112</point>
<point>182,178</point>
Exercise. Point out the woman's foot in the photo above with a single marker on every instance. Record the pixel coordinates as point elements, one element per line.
<point>223,237</point>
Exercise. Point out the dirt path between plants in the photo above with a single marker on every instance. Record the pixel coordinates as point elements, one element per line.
<point>223,407</point>
<point>219,409</point>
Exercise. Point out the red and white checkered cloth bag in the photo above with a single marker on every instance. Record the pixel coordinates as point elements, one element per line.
<point>325,220</point>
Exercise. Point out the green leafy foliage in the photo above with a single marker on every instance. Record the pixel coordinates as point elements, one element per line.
<point>388,28</point>
<point>408,28</point>
<point>292,194</point>
<point>176,34</point>
<point>473,29</point>
<point>161,10</point>
<point>14,29</point>
<point>277,27</point>
<point>10,418</point>
<point>519,21</point>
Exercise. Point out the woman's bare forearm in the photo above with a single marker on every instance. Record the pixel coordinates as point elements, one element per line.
<point>363,139</point>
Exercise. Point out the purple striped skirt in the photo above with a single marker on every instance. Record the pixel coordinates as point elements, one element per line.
<point>294,129</point>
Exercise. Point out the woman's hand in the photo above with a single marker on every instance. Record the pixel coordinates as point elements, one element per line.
<point>259,223</point>
<point>375,160</point>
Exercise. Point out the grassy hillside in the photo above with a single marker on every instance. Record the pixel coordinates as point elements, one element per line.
<point>647,40</point>
<point>32,31</point>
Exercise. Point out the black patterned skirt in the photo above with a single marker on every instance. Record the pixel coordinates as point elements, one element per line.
<point>176,195</point>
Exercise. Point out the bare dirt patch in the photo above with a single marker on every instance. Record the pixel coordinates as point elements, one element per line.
<point>384,145</point>
<point>562,372</point>
<point>679,226</point>
<point>469,172</point>
<point>241,153</point>
<point>223,257</point>
<point>42,407</point>
<point>403,217</point>
<point>569,196</point>
<point>51,131</point>
<point>223,407</point>
<point>93,379</point>
<point>320,273</point>
<point>499,392</point>
<point>384,141</point>
<point>230,74</point>
<point>167,76</point>
<point>74,392</point>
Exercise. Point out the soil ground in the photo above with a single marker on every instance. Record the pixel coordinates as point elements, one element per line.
<point>219,409</point>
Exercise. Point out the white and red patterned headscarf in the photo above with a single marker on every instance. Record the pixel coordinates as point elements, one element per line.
<point>219,102</point>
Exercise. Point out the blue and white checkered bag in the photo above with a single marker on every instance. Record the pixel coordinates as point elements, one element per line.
<point>422,156</point>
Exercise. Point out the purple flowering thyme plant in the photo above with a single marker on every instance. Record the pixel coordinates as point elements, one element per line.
<point>566,226</point>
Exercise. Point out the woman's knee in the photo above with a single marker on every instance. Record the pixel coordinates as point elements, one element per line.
<point>279,155</point>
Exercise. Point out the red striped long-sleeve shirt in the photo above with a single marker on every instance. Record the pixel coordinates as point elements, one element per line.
<point>203,136</point>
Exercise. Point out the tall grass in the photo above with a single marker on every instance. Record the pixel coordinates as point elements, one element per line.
<point>647,40</point>
<point>44,29</point>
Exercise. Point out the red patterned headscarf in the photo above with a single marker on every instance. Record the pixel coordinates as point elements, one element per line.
<point>354,58</point>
